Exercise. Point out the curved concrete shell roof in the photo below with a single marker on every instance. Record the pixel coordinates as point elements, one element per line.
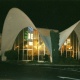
<point>45,35</point>
<point>15,21</point>
<point>65,34</point>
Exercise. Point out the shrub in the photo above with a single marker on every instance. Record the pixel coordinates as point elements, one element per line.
<point>46,57</point>
<point>11,55</point>
<point>68,60</point>
<point>35,58</point>
<point>79,61</point>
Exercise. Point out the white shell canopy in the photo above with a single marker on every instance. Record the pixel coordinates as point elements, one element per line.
<point>15,21</point>
<point>45,35</point>
<point>65,34</point>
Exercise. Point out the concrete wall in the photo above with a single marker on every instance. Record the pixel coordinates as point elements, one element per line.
<point>55,46</point>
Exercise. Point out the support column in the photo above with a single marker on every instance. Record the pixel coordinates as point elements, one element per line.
<point>73,43</point>
<point>44,49</point>
<point>78,51</point>
<point>27,54</point>
<point>66,51</point>
<point>32,46</point>
<point>3,57</point>
<point>55,46</point>
<point>61,51</point>
<point>38,47</point>
<point>18,47</point>
<point>23,44</point>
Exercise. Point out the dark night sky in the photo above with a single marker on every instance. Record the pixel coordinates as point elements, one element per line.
<point>52,14</point>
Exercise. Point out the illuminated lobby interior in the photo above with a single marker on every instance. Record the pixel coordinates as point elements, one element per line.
<point>71,46</point>
<point>30,46</point>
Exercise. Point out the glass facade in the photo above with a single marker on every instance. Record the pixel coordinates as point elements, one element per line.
<point>30,46</point>
<point>70,46</point>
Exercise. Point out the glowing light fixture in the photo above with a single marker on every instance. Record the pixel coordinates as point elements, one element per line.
<point>28,35</point>
<point>31,36</point>
<point>30,43</point>
<point>26,45</point>
<point>70,47</point>
<point>68,41</point>
<point>65,43</point>
<point>17,46</point>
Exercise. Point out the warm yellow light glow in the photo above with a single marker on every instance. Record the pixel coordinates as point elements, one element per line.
<point>26,45</point>
<point>70,47</point>
<point>30,43</point>
<point>31,36</point>
<point>68,39</point>
<point>17,46</point>
<point>35,47</point>
<point>39,46</point>
<point>65,43</point>
<point>28,35</point>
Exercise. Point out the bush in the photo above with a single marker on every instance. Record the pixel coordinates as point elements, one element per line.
<point>46,57</point>
<point>71,60</point>
<point>79,61</point>
<point>68,60</point>
<point>35,58</point>
<point>11,55</point>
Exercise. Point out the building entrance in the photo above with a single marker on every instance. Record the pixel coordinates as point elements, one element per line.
<point>30,46</point>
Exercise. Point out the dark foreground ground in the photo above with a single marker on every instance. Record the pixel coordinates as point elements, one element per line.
<point>10,71</point>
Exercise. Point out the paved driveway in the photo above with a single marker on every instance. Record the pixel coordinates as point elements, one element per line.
<point>37,72</point>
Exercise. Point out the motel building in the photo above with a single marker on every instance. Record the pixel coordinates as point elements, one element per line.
<point>30,45</point>
<point>37,44</point>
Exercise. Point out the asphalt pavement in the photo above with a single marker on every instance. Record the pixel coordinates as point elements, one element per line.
<point>10,71</point>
